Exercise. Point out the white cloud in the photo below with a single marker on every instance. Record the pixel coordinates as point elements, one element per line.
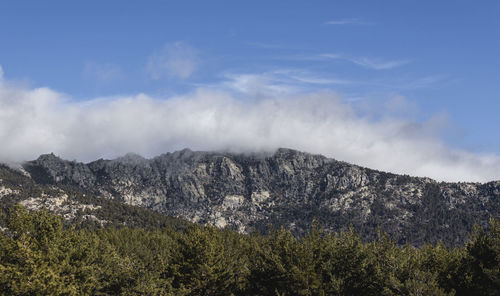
<point>375,64</point>
<point>1,73</point>
<point>276,83</point>
<point>177,60</point>
<point>35,121</point>
<point>301,76</point>
<point>259,85</point>
<point>331,56</point>
<point>102,72</point>
<point>425,82</point>
<point>378,64</point>
<point>400,105</point>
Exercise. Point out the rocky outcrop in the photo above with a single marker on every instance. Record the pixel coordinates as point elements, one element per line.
<point>289,188</point>
<point>63,206</point>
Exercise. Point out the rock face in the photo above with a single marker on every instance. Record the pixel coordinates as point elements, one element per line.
<point>289,188</point>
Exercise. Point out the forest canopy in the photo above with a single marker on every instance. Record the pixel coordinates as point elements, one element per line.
<point>41,256</point>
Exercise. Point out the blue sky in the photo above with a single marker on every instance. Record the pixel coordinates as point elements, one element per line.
<point>426,63</point>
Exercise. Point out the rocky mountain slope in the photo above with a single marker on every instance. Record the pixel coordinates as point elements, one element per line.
<point>288,188</point>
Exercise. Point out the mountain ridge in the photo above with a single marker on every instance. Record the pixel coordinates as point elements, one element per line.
<point>135,158</point>
<point>289,188</point>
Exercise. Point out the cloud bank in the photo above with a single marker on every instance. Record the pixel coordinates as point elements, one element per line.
<point>39,120</point>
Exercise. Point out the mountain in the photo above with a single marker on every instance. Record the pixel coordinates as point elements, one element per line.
<point>249,192</point>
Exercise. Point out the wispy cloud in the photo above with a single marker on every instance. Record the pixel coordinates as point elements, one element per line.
<point>277,82</point>
<point>258,85</point>
<point>304,76</point>
<point>102,72</point>
<point>329,56</point>
<point>379,64</point>
<point>310,79</point>
<point>365,62</point>
<point>348,21</point>
<point>424,82</point>
<point>175,60</point>
<point>410,83</point>
<point>371,63</point>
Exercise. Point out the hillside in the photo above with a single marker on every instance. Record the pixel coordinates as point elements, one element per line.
<point>250,192</point>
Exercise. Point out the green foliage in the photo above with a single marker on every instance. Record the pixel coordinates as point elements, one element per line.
<point>39,256</point>
<point>210,262</point>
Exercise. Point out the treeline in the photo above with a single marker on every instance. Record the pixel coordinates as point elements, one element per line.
<point>39,256</point>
